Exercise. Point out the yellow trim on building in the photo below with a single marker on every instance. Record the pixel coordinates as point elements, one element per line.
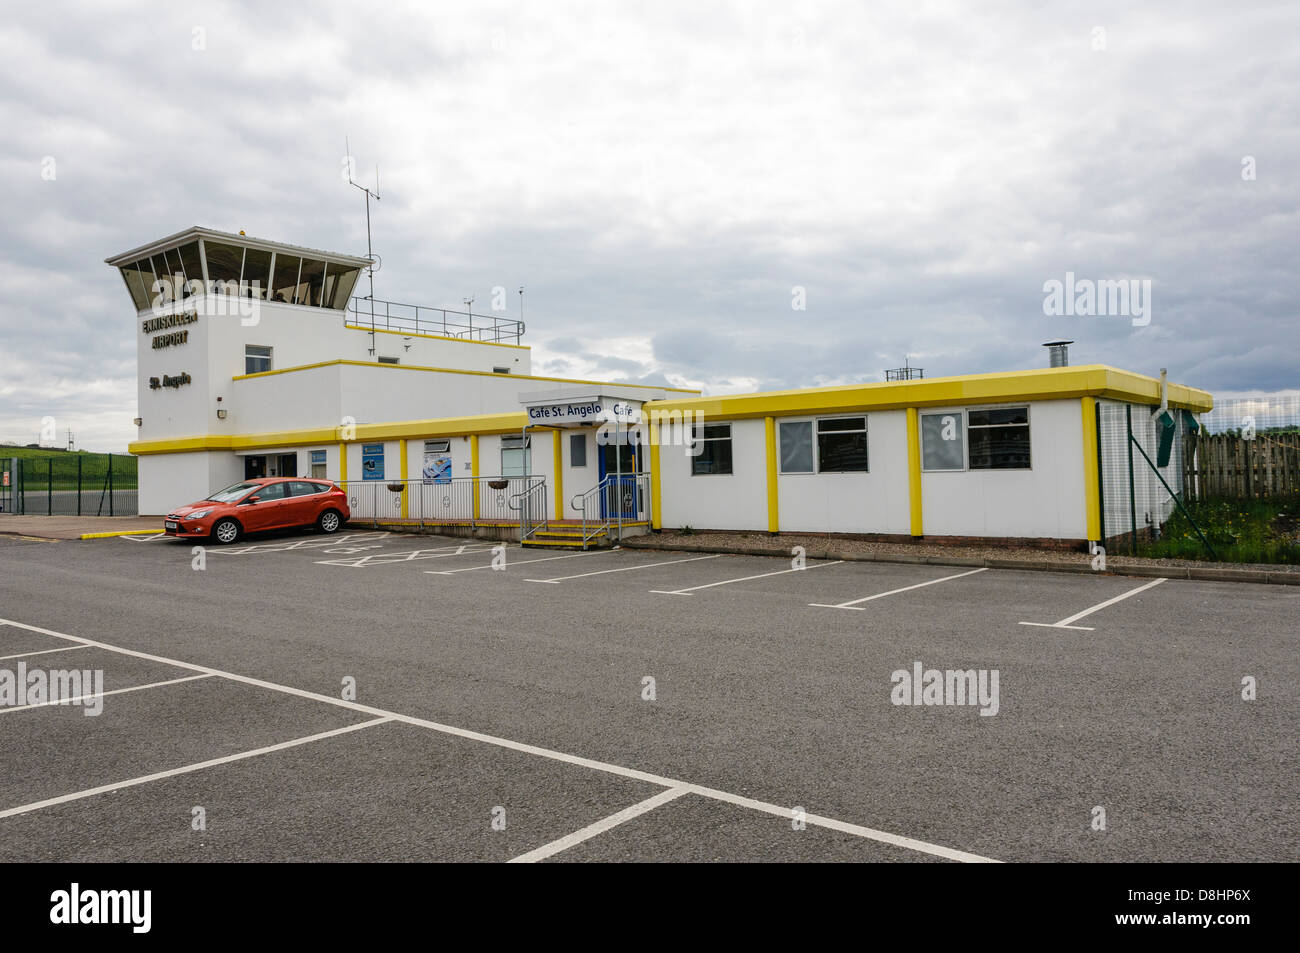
<point>1047,383</point>
<point>451,370</point>
<point>557,461</point>
<point>423,429</point>
<point>473,468</point>
<point>343,463</point>
<point>1091,490</point>
<point>656,494</point>
<point>914,471</point>
<point>406,496</point>
<point>773,501</point>
<point>433,337</point>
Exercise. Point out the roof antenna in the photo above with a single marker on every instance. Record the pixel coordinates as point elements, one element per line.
<point>370,253</point>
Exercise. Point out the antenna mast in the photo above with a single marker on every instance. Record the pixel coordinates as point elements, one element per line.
<point>370,253</point>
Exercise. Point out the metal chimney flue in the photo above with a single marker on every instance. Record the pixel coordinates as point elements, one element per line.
<point>1059,352</point>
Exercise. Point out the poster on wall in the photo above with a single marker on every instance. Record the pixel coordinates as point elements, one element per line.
<point>437,468</point>
<point>372,461</point>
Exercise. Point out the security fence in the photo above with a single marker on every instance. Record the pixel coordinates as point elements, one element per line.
<point>70,484</point>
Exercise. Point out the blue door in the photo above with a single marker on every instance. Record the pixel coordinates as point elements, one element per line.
<point>622,492</point>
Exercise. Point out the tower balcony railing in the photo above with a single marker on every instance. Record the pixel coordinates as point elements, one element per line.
<point>417,319</point>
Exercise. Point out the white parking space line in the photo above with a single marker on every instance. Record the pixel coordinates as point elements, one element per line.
<point>601,572</point>
<point>186,769</point>
<point>727,582</point>
<point>522,562</point>
<point>1066,622</point>
<point>384,559</point>
<point>591,830</point>
<point>855,603</point>
<point>66,648</point>
<point>143,539</point>
<point>635,774</point>
<point>116,691</point>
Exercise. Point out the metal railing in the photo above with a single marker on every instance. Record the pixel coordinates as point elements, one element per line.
<point>530,504</point>
<point>612,502</point>
<point>466,501</point>
<point>394,316</point>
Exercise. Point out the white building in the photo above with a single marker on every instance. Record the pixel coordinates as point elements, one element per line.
<point>256,359</point>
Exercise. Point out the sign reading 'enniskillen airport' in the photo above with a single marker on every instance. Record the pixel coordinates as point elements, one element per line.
<point>169,321</point>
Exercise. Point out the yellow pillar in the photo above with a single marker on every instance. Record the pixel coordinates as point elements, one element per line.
<point>773,514</point>
<point>557,463</point>
<point>1091,489</point>
<point>914,469</point>
<point>343,463</point>
<point>473,469</point>
<point>406,496</point>
<point>656,521</point>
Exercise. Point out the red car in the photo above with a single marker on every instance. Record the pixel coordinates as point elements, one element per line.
<point>255,505</point>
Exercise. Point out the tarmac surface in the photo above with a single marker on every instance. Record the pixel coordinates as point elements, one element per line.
<point>625,705</point>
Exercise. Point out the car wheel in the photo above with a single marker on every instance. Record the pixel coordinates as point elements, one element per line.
<point>329,521</point>
<point>226,531</point>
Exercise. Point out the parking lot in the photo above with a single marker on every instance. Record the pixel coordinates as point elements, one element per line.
<point>374,696</point>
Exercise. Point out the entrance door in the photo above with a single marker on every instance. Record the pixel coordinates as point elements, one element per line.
<point>287,465</point>
<point>622,491</point>
<point>254,467</point>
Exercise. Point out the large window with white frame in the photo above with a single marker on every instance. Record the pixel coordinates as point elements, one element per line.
<point>986,438</point>
<point>823,445</point>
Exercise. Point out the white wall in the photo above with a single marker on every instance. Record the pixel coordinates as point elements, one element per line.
<point>297,335</point>
<point>174,479</point>
<point>872,502</point>
<point>1045,501</point>
<point>717,501</point>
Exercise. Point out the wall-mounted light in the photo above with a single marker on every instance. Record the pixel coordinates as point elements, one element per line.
<point>138,421</point>
<point>221,413</point>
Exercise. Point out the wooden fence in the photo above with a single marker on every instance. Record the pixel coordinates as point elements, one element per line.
<point>1225,465</point>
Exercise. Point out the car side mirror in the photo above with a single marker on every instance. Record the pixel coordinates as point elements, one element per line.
<point>253,499</point>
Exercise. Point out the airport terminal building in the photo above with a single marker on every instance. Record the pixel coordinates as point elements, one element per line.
<point>257,358</point>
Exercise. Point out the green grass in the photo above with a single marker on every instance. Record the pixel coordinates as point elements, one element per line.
<point>94,469</point>
<point>1241,531</point>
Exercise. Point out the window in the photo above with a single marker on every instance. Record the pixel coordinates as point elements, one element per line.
<point>714,444</point>
<point>255,279</point>
<point>842,445</point>
<point>514,455</point>
<point>339,280</point>
<point>139,281</point>
<point>796,446</point>
<point>304,489</point>
<point>311,281</point>
<point>318,464</point>
<point>389,360</point>
<point>437,446</point>
<point>999,438</point>
<point>233,492</point>
<point>225,263</point>
<point>943,441</point>
<point>272,491</point>
<point>257,359</point>
<point>285,279</point>
<point>500,370</point>
<point>577,449</point>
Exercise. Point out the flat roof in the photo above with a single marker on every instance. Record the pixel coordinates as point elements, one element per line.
<point>195,232</point>
<point>1044,383</point>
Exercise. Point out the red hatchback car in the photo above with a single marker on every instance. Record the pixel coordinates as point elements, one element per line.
<point>255,505</point>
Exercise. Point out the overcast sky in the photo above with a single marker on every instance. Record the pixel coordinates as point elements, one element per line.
<point>661,177</point>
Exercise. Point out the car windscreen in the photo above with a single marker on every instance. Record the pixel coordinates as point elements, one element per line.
<point>232,493</point>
